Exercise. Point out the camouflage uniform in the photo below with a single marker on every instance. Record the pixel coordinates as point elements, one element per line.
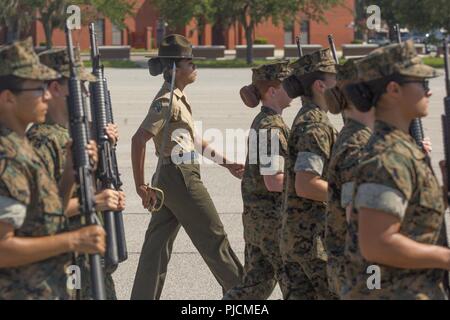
<point>345,157</point>
<point>261,216</point>
<point>29,197</point>
<point>49,140</point>
<point>396,179</point>
<point>303,220</point>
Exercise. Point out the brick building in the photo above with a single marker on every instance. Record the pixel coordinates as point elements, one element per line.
<point>143,30</point>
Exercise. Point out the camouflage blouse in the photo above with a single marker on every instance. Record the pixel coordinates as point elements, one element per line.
<point>345,157</point>
<point>26,183</point>
<point>267,149</point>
<point>395,178</point>
<point>50,140</point>
<point>309,149</point>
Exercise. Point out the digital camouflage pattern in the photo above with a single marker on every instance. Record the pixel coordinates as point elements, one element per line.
<point>321,60</point>
<point>393,160</point>
<point>19,59</point>
<point>345,158</point>
<point>394,59</point>
<point>303,220</point>
<point>49,141</point>
<point>261,215</point>
<point>279,70</point>
<point>58,59</point>
<point>25,179</point>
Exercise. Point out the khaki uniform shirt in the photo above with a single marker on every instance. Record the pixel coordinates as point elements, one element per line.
<point>181,124</point>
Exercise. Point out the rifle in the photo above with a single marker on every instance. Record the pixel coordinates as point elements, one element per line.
<point>446,131</point>
<point>416,127</point>
<point>299,46</point>
<point>105,167</point>
<point>79,132</point>
<point>333,48</point>
<point>336,60</point>
<point>117,182</point>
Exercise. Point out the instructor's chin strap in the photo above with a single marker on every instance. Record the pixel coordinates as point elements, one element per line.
<point>160,193</point>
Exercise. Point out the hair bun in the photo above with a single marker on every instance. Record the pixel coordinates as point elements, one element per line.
<point>293,87</point>
<point>335,100</point>
<point>250,96</point>
<point>155,66</point>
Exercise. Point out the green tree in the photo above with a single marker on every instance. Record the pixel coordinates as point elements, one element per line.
<point>178,13</point>
<point>52,13</point>
<point>17,24</point>
<point>250,13</point>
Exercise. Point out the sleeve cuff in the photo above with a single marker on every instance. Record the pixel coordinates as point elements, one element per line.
<point>347,193</point>
<point>309,162</point>
<point>381,197</point>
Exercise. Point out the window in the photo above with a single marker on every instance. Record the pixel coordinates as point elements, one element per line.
<point>100,31</point>
<point>116,36</point>
<point>304,29</point>
<point>288,33</point>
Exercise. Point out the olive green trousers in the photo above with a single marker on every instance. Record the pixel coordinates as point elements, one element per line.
<point>187,204</point>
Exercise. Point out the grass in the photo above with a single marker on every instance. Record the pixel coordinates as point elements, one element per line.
<point>234,63</point>
<point>114,64</point>
<point>434,62</point>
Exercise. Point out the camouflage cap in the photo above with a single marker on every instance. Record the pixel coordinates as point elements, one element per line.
<point>19,59</point>
<point>58,59</point>
<point>347,71</point>
<point>394,59</point>
<point>272,71</point>
<point>320,60</point>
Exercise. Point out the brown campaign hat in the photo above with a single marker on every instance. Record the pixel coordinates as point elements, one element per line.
<point>175,46</point>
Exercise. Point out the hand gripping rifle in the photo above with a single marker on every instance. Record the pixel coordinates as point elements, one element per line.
<point>82,166</point>
<point>416,127</point>
<point>105,170</point>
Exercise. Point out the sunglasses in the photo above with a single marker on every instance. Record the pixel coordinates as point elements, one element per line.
<point>425,83</point>
<point>41,89</point>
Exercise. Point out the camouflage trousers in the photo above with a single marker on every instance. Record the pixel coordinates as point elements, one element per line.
<point>85,293</point>
<point>336,276</point>
<point>304,255</point>
<point>262,270</point>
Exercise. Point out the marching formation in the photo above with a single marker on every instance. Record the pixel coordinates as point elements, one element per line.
<point>321,207</point>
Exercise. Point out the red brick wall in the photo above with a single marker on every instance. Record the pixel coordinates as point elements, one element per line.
<point>136,27</point>
<point>146,16</point>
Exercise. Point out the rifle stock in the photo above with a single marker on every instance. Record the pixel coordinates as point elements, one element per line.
<point>82,167</point>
